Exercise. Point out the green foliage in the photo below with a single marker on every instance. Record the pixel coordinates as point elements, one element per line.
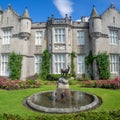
<point>72,72</point>
<point>112,115</point>
<point>103,65</point>
<point>84,77</point>
<point>53,77</point>
<point>45,64</point>
<point>15,64</point>
<point>89,59</point>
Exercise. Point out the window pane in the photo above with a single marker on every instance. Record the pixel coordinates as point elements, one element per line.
<point>59,63</point>
<point>81,64</point>
<point>4,65</point>
<point>114,63</point>
<point>38,38</point>
<point>81,38</point>
<point>60,35</point>
<point>6,36</point>
<point>113,37</point>
<point>37,63</point>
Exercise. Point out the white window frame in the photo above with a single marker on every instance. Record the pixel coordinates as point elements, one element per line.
<point>81,37</point>
<point>114,37</point>
<point>114,63</point>
<point>38,59</point>
<point>7,34</point>
<point>59,62</point>
<point>38,37</point>
<point>59,35</point>
<point>4,65</point>
<point>80,64</point>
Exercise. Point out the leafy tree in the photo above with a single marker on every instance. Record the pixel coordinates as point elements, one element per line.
<point>15,64</point>
<point>45,64</point>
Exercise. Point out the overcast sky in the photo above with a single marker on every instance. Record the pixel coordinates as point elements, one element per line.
<point>40,10</point>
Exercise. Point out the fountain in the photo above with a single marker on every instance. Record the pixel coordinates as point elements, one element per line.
<point>63,100</point>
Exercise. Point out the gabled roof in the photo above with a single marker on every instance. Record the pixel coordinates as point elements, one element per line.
<point>94,13</point>
<point>26,13</point>
<point>112,6</point>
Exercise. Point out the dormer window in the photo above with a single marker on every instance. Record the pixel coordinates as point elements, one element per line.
<point>6,37</point>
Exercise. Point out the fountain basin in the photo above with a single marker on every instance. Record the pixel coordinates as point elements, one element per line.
<point>77,102</point>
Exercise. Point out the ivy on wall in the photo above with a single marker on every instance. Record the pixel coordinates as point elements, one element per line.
<point>72,72</point>
<point>45,64</point>
<point>15,64</point>
<point>103,65</point>
<point>89,59</point>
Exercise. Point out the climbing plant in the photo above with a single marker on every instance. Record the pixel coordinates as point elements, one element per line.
<point>103,65</point>
<point>72,72</point>
<point>89,63</point>
<point>45,64</point>
<point>89,59</point>
<point>15,64</point>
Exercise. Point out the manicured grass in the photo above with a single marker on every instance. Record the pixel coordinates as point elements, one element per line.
<point>11,101</point>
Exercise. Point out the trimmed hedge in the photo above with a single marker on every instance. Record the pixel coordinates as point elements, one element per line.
<point>112,115</point>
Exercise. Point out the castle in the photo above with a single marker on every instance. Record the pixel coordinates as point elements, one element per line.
<point>60,36</point>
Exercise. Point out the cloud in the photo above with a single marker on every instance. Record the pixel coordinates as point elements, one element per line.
<point>86,19</point>
<point>64,7</point>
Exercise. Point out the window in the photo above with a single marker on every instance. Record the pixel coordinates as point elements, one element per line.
<point>59,35</point>
<point>114,63</point>
<point>38,38</point>
<point>60,62</point>
<point>81,37</point>
<point>6,37</point>
<point>37,63</point>
<point>4,65</point>
<point>80,64</point>
<point>113,37</point>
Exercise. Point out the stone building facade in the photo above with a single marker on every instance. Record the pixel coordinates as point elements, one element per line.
<point>60,36</point>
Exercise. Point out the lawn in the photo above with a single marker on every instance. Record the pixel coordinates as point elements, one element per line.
<point>11,101</point>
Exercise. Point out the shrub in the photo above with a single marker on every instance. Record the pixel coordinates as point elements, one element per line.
<point>84,77</point>
<point>110,84</point>
<point>17,84</point>
<point>53,77</point>
<point>112,115</point>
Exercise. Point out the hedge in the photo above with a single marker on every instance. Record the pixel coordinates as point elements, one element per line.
<point>112,115</point>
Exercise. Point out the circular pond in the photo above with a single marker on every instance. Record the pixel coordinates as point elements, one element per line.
<point>78,101</point>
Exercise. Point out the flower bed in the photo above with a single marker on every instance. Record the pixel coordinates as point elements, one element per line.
<point>18,84</point>
<point>110,84</point>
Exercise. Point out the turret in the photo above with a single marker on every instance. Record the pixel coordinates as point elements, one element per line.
<point>94,22</point>
<point>25,24</point>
